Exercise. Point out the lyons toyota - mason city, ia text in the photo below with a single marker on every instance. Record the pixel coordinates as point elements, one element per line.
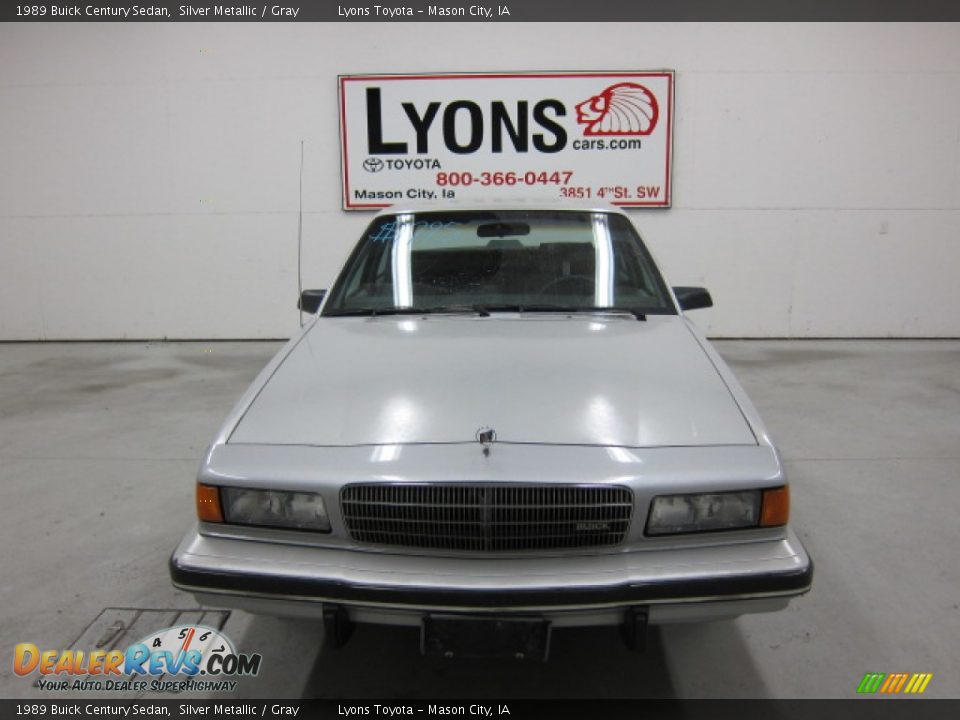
<point>477,11</point>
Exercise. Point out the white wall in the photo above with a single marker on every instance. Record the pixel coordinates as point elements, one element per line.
<point>148,172</point>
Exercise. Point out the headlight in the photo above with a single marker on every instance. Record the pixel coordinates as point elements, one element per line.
<point>671,514</point>
<point>275,508</point>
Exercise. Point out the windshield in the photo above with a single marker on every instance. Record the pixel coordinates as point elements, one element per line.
<point>499,260</point>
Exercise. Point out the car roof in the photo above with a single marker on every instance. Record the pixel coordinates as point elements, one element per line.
<point>507,204</point>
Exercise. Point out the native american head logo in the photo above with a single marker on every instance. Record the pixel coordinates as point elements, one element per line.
<point>622,109</point>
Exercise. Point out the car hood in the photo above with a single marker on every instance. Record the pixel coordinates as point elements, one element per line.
<point>553,379</point>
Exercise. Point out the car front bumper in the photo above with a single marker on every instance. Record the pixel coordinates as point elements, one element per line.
<point>688,584</point>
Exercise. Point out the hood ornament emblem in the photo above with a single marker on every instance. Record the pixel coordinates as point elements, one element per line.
<point>486,436</point>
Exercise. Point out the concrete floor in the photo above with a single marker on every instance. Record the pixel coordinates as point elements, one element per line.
<point>99,444</point>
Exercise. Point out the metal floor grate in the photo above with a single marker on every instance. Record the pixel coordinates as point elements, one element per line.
<point>117,628</point>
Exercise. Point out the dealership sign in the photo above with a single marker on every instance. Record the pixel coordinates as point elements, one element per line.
<point>549,136</point>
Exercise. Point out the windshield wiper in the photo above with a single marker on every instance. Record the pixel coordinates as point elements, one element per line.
<point>480,310</point>
<point>546,307</point>
<point>638,314</point>
<point>484,310</point>
<point>440,309</point>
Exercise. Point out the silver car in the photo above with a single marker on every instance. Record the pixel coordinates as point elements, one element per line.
<point>499,422</point>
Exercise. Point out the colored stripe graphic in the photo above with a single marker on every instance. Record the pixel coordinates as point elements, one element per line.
<point>919,683</point>
<point>894,683</point>
<point>870,683</point>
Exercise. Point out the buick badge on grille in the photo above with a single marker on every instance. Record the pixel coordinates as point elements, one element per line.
<point>486,436</point>
<point>588,526</point>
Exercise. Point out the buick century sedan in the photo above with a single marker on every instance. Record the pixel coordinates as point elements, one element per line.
<point>497,422</point>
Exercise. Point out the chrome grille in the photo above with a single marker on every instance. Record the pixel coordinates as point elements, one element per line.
<point>487,518</point>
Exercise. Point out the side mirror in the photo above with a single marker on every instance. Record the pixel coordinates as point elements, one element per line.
<point>310,300</point>
<point>693,298</point>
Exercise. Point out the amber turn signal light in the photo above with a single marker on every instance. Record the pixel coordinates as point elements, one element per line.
<point>775,509</point>
<point>208,503</point>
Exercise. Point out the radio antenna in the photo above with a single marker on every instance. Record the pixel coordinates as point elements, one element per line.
<point>300,242</point>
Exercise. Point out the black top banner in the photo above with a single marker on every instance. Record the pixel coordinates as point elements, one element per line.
<point>499,11</point>
<point>500,709</point>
